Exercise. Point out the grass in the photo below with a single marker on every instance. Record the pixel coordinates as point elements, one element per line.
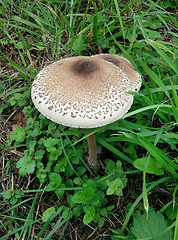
<point>47,189</point>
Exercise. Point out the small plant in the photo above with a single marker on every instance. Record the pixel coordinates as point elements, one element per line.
<point>89,196</point>
<point>14,196</point>
<point>45,158</point>
<point>153,226</point>
<point>147,226</point>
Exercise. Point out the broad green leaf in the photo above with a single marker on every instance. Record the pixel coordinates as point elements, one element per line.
<point>60,191</point>
<point>54,154</point>
<point>78,44</point>
<point>91,210</point>
<point>104,212</point>
<point>31,145</point>
<point>48,213</point>
<point>39,154</point>
<point>50,142</point>
<point>89,191</point>
<point>154,227</point>
<point>78,181</point>
<point>98,199</point>
<point>152,23</point>
<point>87,218</point>
<point>154,167</point>
<point>35,132</point>
<point>152,34</point>
<point>8,194</point>
<point>110,167</point>
<point>79,197</point>
<point>60,166</point>
<point>55,181</point>
<point>66,213</point>
<point>51,186</point>
<point>77,211</point>
<point>90,213</point>
<point>110,191</point>
<point>81,170</point>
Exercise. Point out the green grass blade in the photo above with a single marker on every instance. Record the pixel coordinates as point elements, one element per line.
<point>120,19</point>
<point>164,56</point>
<point>16,46</point>
<point>26,22</point>
<point>61,140</point>
<point>6,223</point>
<point>160,156</point>
<point>22,71</point>
<point>174,93</point>
<point>95,23</point>
<point>153,76</point>
<point>176,228</point>
<point>132,36</point>
<point>156,106</point>
<point>18,230</point>
<point>56,227</point>
<point>30,217</point>
<point>114,150</point>
<point>145,196</point>
<point>46,224</point>
<point>17,205</point>
<point>168,88</point>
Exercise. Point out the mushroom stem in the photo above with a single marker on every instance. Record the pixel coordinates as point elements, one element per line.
<point>92,159</point>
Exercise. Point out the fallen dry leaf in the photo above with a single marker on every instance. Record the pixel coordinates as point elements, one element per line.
<point>20,120</point>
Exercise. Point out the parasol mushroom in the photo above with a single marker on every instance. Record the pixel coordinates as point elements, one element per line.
<point>83,92</point>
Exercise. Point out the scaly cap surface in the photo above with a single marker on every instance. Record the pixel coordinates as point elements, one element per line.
<point>84,92</point>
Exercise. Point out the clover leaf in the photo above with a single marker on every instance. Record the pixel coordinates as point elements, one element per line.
<point>115,187</point>
<point>18,134</point>
<point>55,181</point>
<point>26,165</point>
<point>90,213</point>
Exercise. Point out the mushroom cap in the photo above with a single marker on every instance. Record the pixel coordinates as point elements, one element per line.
<point>126,67</point>
<point>84,92</point>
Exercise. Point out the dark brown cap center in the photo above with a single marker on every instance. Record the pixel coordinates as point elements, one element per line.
<point>84,67</point>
